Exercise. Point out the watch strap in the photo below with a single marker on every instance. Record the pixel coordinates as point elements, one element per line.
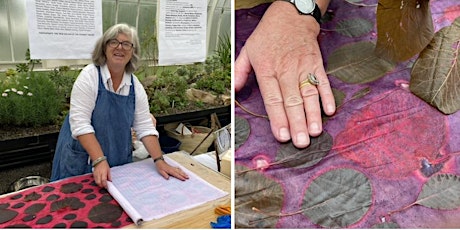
<point>158,159</point>
<point>316,12</point>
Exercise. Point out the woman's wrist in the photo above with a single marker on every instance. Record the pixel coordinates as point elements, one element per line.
<point>99,160</point>
<point>160,158</point>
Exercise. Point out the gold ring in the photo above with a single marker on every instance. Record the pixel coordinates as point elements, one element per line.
<point>311,80</point>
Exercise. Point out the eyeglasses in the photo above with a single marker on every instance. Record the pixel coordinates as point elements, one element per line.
<point>124,44</point>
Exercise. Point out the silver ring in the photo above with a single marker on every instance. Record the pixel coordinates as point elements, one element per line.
<point>311,80</point>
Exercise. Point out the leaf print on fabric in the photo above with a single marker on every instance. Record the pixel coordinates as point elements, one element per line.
<point>391,141</point>
<point>337,198</point>
<point>253,191</point>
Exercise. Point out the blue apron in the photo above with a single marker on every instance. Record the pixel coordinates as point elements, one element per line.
<point>112,119</point>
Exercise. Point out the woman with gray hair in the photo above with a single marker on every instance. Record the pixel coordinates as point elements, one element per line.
<point>107,100</point>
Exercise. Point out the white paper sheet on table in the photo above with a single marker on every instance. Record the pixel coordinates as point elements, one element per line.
<point>145,195</point>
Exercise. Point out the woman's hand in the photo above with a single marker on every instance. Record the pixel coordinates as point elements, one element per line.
<point>101,174</point>
<point>166,170</point>
<point>283,51</point>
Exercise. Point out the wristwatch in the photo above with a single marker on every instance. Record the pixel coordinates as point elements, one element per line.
<point>307,7</point>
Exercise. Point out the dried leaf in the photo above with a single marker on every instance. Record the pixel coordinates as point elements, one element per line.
<point>337,198</point>
<point>253,189</point>
<point>435,76</point>
<point>354,27</point>
<point>357,63</point>
<point>290,156</point>
<point>242,130</point>
<point>441,192</point>
<point>404,28</point>
<point>386,225</point>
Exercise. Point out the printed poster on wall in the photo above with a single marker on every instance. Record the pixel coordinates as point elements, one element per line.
<point>182,31</point>
<point>65,29</point>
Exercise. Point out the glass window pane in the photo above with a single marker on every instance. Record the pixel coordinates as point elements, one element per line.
<point>146,31</point>
<point>127,13</point>
<point>5,54</point>
<point>108,14</point>
<point>19,34</point>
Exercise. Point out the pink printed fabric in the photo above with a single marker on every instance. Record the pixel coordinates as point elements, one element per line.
<point>414,134</point>
<point>75,202</point>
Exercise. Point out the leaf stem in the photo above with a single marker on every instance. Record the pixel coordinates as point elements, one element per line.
<point>402,209</point>
<point>248,111</point>
<point>272,215</point>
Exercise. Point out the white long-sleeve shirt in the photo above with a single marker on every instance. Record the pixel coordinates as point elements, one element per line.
<point>84,95</point>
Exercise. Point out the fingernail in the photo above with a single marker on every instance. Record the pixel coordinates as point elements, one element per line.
<point>284,134</point>
<point>302,139</point>
<point>314,128</point>
<point>330,108</point>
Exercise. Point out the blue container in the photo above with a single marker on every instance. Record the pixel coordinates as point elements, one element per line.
<point>169,144</point>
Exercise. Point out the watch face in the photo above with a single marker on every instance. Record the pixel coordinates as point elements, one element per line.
<point>305,6</point>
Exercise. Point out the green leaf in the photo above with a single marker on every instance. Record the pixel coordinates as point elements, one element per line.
<point>357,63</point>
<point>354,27</point>
<point>290,156</point>
<point>253,189</point>
<point>435,76</point>
<point>337,198</point>
<point>386,225</point>
<point>404,28</point>
<point>242,130</point>
<point>441,192</point>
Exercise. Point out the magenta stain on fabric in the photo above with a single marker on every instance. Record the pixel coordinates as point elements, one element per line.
<point>390,141</point>
<point>261,162</point>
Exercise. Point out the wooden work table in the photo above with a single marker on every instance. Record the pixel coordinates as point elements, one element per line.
<point>19,209</point>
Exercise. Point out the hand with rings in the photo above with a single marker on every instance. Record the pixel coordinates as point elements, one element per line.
<point>284,53</point>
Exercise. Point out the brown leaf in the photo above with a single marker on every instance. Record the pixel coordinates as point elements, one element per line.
<point>357,63</point>
<point>290,156</point>
<point>435,76</point>
<point>404,28</point>
<point>253,189</point>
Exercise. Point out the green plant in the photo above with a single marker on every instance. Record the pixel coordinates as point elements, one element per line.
<point>167,93</point>
<point>29,100</point>
<point>224,50</point>
<point>217,77</point>
<point>63,77</point>
<point>29,66</point>
<point>10,72</point>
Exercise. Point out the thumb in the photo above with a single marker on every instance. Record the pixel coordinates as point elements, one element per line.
<point>242,69</point>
